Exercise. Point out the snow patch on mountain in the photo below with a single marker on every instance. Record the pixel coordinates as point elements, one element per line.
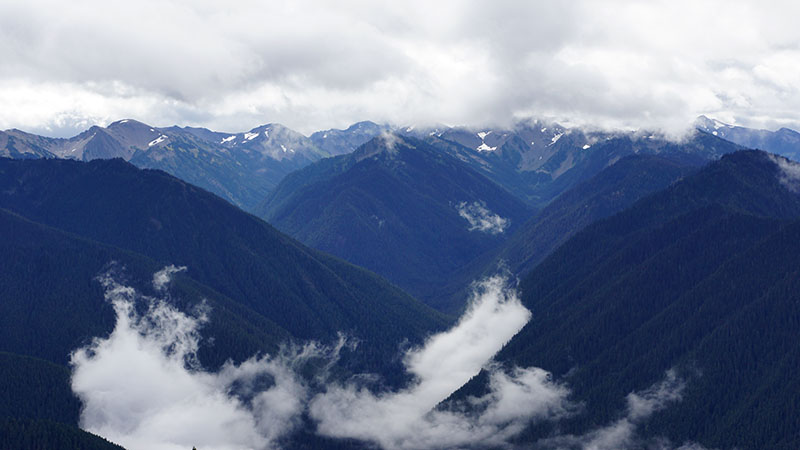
<point>158,140</point>
<point>484,147</point>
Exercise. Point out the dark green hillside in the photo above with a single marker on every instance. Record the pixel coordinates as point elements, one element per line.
<point>66,222</point>
<point>306,293</point>
<point>612,190</point>
<point>701,276</point>
<point>32,388</point>
<point>605,194</point>
<point>51,303</point>
<point>393,207</point>
<point>45,435</point>
<point>37,408</point>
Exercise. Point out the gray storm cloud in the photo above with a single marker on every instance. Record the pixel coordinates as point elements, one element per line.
<point>311,64</point>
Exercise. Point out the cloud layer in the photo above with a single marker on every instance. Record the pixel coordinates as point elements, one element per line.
<point>313,64</point>
<point>409,418</point>
<point>143,387</point>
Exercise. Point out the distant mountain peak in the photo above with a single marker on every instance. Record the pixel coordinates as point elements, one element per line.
<point>338,142</point>
<point>361,125</point>
<point>386,143</point>
<point>128,123</point>
<point>707,123</point>
<point>274,127</point>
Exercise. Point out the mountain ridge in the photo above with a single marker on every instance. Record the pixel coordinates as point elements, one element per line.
<point>365,207</point>
<point>697,277</point>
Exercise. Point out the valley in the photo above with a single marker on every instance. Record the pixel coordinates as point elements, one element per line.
<point>391,291</point>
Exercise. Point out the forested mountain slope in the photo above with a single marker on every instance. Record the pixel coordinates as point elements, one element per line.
<point>700,277</point>
<point>399,207</point>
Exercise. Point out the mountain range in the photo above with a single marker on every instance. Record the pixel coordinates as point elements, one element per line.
<point>425,215</point>
<point>66,222</point>
<point>399,207</point>
<point>784,141</point>
<point>239,167</point>
<point>534,160</point>
<point>658,276</point>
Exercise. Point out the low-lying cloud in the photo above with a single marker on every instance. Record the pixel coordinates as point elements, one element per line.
<point>480,218</point>
<point>622,434</point>
<point>789,174</point>
<point>163,276</point>
<point>408,418</point>
<point>144,388</point>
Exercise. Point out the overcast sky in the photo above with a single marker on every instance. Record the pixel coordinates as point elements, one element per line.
<point>312,65</point>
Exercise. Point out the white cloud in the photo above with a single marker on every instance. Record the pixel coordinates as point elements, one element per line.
<point>313,64</point>
<point>480,218</point>
<point>408,418</point>
<point>162,278</point>
<point>622,434</point>
<point>143,388</point>
<point>642,405</point>
<point>789,174</point>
